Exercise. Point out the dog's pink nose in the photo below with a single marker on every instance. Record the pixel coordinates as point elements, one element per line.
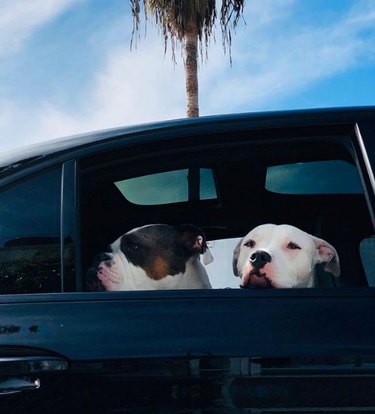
<point>260,258</point>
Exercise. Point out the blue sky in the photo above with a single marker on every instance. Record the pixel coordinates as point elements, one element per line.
<point>66,66</point>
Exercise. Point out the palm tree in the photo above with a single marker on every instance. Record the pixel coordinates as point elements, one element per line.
<point>189,23</point>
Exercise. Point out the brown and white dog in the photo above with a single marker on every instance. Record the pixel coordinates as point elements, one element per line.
<point>281,256</point>
<point>156,256</point>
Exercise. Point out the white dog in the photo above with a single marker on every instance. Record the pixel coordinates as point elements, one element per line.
<point>156,256</point>
<point>281,256</point>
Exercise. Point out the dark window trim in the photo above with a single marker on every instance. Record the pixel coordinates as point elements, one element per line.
<point>111,155</point>
<point>365,170</point>
<point>194,294</point>
<point>69,227</point>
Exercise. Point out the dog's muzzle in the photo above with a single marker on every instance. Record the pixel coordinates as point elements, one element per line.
<point>257,278</point>
<point>260,258</point>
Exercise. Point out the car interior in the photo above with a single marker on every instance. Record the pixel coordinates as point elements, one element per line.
<point>228,184</point>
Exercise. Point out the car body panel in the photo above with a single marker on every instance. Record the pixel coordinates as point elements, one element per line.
<point>169,324</point>
<point>187,350</point>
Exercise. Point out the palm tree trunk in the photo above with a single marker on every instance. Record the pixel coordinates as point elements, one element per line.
<point>191,71</point>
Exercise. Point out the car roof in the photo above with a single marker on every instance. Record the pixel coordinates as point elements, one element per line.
<point>14,160</point>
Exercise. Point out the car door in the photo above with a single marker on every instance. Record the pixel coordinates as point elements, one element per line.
<point>65,348</point>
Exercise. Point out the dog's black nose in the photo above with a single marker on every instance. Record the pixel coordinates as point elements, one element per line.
<point>260,258</point>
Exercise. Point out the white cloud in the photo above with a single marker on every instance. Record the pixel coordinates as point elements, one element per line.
<point>273,56</point>
<point>133,87</point>
<point>269,67</point>
<point>20,18</point>
<point>139,86</point>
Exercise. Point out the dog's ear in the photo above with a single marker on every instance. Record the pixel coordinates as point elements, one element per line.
<point>192,238</point>
<point>201,246</point>
<point>327,254</point>
<point>236,254</point>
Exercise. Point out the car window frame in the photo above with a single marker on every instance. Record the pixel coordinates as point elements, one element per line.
<point>344,135</point>
<point>70,165</point>
<point>365,156</point>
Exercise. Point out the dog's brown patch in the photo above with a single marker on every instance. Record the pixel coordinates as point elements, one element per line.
<point>158,269</point>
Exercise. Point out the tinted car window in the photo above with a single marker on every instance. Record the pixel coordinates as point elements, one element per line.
<point>166,187</point>
<point>29,235</point>
<point>314,177</point>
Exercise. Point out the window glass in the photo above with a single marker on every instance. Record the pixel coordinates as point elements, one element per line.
<point>316,177</point>
<point>220,271</point>
<point>367,252</point>
<point>166,187</point>
<point>29,235</point>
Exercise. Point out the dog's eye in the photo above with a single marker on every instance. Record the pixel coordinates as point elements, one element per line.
<point>132,246</point>
<point>293,246</point>
<point>250,243</point>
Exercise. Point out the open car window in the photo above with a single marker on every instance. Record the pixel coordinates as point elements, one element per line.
<point>313,185</point>
<point>212,194</point>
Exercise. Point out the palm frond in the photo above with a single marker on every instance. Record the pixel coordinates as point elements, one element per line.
<point>231,12</point>
<point>177,17</point>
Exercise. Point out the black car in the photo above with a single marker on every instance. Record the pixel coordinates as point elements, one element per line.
<point>65,347</point>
